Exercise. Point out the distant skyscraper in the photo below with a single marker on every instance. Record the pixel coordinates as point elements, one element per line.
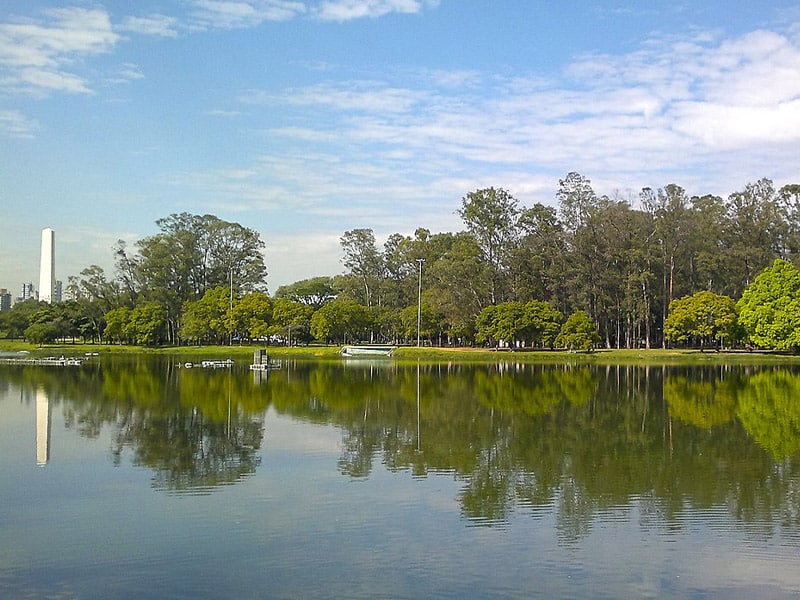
<point>5,299</point>
<point>47,267</point>
<point>27,291</point>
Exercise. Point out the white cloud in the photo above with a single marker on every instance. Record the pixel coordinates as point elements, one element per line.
<point>355,96</point>
<point>347,10</point>
<point>232,14</point>
<point>399,152</point>
<point>155,25</point>
<point>731,126</point>
<point>39,56</point>
<point>126,73</point>
<point>222,113</point>
<point>301,255</point>
<point>14,124</point>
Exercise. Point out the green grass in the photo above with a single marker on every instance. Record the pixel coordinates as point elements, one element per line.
<point>431,355</point>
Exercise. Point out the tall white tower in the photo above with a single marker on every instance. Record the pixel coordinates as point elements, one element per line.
<point>47,267</point>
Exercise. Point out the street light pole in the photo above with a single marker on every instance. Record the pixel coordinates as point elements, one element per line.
<point>419,299</point>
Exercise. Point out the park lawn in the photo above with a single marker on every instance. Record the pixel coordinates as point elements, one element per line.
<point>403,354</point>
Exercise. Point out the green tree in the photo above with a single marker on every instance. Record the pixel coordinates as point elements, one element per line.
<point>704,316</point>
<point>42,333</point>
<point>191,255</point>
<point>459,285</point>
<point>251,316</point>
<point>537,263</point>
<point>576,200</point>
<point>769,309</point>
<point>752,236</point>
<point>14,322</point>
<point>340,321</point>
<point>148,324</point>
<point>386,323</point>
<point>672,219</point>
<point>430,322</point>
<point>207,319</point>
<point>789,206</point>
<point>491,216</point>
<point>92,286</point>
<point>709,221</point>
<point>292,320</point>
<point>59,320</point>
<point>578,333</point>
<point>313,292</point>
<point>503,323</point>
<point>364,264</point>
<point>118,325</point>
<point>544,322</point>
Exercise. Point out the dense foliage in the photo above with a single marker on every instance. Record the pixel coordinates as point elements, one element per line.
<point>661,268</point>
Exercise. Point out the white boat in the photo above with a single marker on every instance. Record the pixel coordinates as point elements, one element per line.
<point>369,351</point>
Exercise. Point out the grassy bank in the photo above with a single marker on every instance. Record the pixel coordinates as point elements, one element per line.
<point>412,354</point>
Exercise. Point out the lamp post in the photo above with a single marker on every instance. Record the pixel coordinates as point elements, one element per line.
<point>419,298</point>
<point>230,314</point>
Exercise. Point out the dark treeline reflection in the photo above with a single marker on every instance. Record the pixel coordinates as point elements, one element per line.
<point>581,440</point>
<point>196,429</point>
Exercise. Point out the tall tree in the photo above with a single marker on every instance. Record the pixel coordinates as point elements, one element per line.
<point>461,285</point>
<point>490,216</point>
<point>538,261</point>
<point>669,208</point>
<point>789,205</point>
<point>708,224</point>
<point>753,233</point>
<point>312,292</point>
<point>191,255</point>
<point>364,263</point>
<point>576,200</point>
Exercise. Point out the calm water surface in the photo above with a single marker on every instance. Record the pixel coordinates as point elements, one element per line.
<point>131,478</point>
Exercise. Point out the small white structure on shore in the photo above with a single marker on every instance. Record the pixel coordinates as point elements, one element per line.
<point>262,362</point>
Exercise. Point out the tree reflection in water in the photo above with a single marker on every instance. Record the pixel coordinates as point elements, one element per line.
<point>579,441</point>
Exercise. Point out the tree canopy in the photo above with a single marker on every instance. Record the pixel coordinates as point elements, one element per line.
<point>647,269</point>
<point>769,309</point>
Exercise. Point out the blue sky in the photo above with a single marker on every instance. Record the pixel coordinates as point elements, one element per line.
<point>303,119</point>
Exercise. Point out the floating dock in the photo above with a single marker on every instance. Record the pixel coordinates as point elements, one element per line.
<point>211,364</point>
<point>50,361</point>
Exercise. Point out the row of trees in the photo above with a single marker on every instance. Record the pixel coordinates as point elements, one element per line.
<point>622,260</point>
<point>628,265</point>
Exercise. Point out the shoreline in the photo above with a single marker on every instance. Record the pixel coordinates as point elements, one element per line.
<point>412,354</point>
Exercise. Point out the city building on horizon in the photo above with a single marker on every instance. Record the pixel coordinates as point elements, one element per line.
<point>5,299</point>
<point>28,292</point>
<point>47,267</point>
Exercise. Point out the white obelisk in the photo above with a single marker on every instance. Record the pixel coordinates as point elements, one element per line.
<point>47,268</point>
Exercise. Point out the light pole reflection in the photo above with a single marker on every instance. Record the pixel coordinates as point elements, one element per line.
<point>419,298</point>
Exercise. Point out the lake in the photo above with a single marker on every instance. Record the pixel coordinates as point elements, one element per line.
<point>132,477</point>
